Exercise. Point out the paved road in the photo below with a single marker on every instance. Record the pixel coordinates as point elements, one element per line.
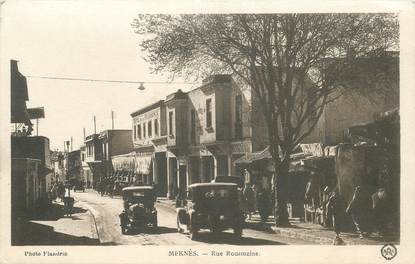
<point>106,212</point>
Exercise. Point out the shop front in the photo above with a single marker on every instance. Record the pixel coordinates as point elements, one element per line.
<point>143,168</point>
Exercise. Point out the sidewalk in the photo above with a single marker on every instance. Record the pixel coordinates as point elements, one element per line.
<point>55,229</point>
<point>306,231</point>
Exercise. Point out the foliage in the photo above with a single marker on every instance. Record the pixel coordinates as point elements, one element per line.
<point>294,63</point>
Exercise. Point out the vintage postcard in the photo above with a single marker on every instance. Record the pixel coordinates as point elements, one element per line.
<point>207,132</point>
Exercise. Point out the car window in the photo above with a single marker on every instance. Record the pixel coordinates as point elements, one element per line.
<point>218,193</point>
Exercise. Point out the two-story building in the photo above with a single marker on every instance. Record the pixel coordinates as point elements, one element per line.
<point>93,158</point>
<point>86,171</point>
<point>150,146</point>
<point>195,136</point>
<point>101,147</point>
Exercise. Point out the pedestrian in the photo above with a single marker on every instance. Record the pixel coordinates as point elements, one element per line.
<point>248,197</point>
<point>264,203</point>
<point>110,188</point>
<point>380,210</point>
<point>335,210</point>
<point>360,209</point>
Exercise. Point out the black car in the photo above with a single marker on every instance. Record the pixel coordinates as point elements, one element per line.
<point>213,206</point>
<point>79,186</point>
<point>139,210</point>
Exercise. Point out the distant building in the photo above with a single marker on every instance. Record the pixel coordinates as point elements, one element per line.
<point>86,171</point>
<point>57,161</point>
<point>93,158</point>
<point>101,147</point>
<point>74,165</point>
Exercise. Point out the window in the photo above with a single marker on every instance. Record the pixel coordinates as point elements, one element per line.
<point>209,113</point>
<point>238,116</point>
<point>156,127</point>
<point>139,131</point>
<point>149,128</point>
<point>171,123</point>
<point>83,157</point>
<point>144,130</point>
<point>193,127</point>
<point>135,132</point>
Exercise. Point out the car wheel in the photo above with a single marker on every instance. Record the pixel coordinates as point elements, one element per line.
<point>179,228</point>
<point>123,230</point>
<point>215,230</point>
<point>237,231</point>
<point>193,234</point>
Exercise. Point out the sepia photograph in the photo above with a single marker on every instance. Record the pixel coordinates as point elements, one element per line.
<point>216,134</point>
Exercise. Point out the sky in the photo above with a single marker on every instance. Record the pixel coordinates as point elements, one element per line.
<point>81,40</point>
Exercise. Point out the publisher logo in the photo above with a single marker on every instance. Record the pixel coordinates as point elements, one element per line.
<point>389,251</point>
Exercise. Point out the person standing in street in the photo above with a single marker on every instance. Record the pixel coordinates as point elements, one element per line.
<point>335,210</point>
<point>264,205</point>
<point>248,196</point>
<point>360,209</point>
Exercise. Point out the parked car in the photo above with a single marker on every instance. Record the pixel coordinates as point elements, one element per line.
<point>79,186</point>
<point>139,210</point>
<point>232,179</point>
<point>213,206</point>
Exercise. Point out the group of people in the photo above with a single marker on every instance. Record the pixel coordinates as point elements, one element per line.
<point>368,211</point>
<point>257,199</point>
<point>108,186</point>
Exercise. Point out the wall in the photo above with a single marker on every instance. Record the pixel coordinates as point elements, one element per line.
<point>352,109</point>
<point>31,147</point>
<point>197,101</point>
<point>150,115</point>
<point>120,142</point>
<point>223,111</point>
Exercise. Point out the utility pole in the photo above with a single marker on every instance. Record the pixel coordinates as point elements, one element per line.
<point>84,134</point>
<point>37,126</point>
<point>71,142</point>
<point>95,125</point>
<point>112,119</point>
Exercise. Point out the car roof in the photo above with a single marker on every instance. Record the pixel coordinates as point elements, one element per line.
<point>212,184</point>
<point>137,188</point>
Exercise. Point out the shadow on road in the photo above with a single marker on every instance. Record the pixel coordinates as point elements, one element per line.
<point>259,226</point>
<point>30,233</point>
<point>229,238</point>
<point>55,212</point>
<point>151,230</point>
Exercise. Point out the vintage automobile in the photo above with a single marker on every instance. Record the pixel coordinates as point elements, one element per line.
<point>139,210</point>
<point>213,206</point>
<point>79,186</point>
<point>232,179</point>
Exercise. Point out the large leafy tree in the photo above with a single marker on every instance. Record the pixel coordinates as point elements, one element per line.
<point>294,63</point>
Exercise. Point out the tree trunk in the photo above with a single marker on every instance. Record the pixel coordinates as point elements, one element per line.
<point>281,193</point>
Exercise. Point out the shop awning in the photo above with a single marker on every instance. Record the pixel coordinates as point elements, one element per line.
<point>296,163</point>
<point>125,162</point>
<point>254,156</point>
<point>266,155</point>
<point>142,164</point>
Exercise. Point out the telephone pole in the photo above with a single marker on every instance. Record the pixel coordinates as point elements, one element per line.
<point>112,119</point>
<point>95,125</point>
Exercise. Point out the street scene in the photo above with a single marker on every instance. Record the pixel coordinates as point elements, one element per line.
<point>270,129</point>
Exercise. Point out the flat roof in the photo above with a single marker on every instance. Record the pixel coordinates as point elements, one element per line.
<point>147,108</point>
